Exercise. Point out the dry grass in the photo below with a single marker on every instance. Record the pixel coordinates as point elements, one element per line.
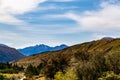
<point>19,75</point>
<point>34,78</point>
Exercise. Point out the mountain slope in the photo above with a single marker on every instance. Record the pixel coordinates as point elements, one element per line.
<point>40,48</point>
<point>3,45</point>
<point>8,54</point>
<point>99,46</point>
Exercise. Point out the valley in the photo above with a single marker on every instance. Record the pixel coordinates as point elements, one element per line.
<point>59,39</point>
<point>86,61</point>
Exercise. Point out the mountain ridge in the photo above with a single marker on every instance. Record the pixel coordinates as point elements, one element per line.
<point>8,54</point>
<point>40,48</point>
<point>3,45</point>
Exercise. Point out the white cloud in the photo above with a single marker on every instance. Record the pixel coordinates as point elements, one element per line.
<point>9,19</point>
<point>107,18</point>
<point>17,40</point>
<point>10,8</point>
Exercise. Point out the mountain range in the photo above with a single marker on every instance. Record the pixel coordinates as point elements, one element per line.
<point>8,54</point>
<point>40,48</point>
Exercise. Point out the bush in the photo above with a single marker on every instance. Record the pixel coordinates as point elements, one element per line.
<point>113,62</point>
<point>109,75</point>
<point>68,75</point>
<point>3,77</point>
<point>9,71</point>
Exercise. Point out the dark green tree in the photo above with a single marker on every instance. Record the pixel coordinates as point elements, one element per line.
<point>31,71</point>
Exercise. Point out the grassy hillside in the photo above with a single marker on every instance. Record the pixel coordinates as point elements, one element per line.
<point>88,61</point>
<point>99,46</point>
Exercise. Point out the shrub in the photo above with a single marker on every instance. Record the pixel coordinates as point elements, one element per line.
<point>3,77</point>
<point>68,75</point>
<point>109,75</point>
<point>113,62</point>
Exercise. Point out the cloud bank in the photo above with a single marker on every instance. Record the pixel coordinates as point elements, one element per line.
<point>104,19</point>
<point>57,24</point>
<point>10,8</point>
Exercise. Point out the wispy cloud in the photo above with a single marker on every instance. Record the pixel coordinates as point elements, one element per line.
<point>10,8</point>
<point>102,22</point>
<point>104,19</point>
<point>107,18</point>
<point>17,40</point>
<point>56,7</point>
<point>52,24</point>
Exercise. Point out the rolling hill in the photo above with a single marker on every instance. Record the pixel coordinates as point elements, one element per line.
<point>99,46</point>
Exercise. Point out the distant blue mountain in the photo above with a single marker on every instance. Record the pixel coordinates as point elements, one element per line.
<point>40,48</point>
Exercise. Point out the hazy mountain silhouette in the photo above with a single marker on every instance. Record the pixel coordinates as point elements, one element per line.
<point>40,48</point>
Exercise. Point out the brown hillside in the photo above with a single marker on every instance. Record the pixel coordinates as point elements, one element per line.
<point>99,46</point>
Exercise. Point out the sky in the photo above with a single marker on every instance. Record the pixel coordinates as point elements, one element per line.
<point>54,22</point>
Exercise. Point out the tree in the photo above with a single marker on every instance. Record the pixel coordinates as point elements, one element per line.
<point>56,63</point>
<point>113,62</point>
<point>31,71</point>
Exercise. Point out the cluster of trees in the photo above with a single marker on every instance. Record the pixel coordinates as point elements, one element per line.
<point>49,67</point>
<point>96,65</point>
<point>5,65</point>
<point>9,68</point>
<point>79,66</point>
<point>31,71</point>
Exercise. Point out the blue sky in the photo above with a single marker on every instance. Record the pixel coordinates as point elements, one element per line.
<point>54,22</point>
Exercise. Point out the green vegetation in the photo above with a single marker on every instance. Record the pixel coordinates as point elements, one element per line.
<point>8,68</point>
<point>110,75</point>
<point>3,77</point>
<point>56,63</point>
<point>96,60</point>
<point>78,66</point>
<point>31,71</point>
<point>68,75</point>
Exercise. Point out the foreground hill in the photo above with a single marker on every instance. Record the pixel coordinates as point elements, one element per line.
<point>98,46</point>
<point>40,48</point>
<point>8,54</point>
<point>95,60</point>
